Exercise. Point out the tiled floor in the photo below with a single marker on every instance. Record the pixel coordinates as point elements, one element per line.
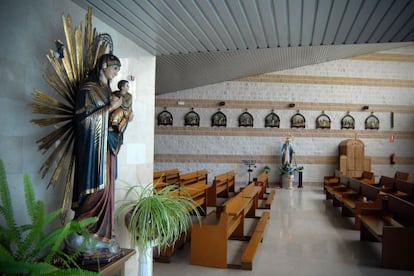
<point>305,236</point>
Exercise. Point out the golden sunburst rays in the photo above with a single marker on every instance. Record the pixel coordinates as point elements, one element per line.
<point>79,57</point>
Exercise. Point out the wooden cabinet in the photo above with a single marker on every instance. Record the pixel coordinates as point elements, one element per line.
<point>352,159</point>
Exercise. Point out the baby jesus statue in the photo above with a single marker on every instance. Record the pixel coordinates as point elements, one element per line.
<point>123,114</point>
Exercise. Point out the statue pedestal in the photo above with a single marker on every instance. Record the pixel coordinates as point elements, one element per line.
<point>287,181</point>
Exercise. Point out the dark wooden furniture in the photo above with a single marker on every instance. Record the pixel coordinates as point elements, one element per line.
<point>369,197</point>
<point>352,189</point>
<point>340,185</point>
<point>393,226</point>
<point>367,177</point>
<point>352,159</point>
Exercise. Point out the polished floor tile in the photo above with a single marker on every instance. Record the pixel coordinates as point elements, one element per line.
<point>305,235</point>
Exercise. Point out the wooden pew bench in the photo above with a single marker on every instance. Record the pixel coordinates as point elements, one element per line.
<point>210,238</point>
<point>367,177</point>
<point>342,184</point>
<point>393,226</point>
<point>192,184</point>
<point>269,199</point>
<point>402,175</point>
<point>195,185</point>
<point>386,184</point>
<point>262,181</point>
<point>166,177</point>
<point>249,251</point>
<point>404,189</point>
<point>252,192</point>
<point>398,187</point>
<point>222,185</point>
<point>352,190</point>
<point>331,180</point>
<point>353,203</point>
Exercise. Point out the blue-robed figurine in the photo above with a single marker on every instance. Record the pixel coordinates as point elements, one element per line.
<point>96,148</point>
<point>287,153</point>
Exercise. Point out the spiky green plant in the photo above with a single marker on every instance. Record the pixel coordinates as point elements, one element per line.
<point>156,217</point>
<point>28,249</point>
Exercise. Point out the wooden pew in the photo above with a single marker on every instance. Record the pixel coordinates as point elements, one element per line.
<point>195,185</point>
<point>209,239</point>
<point>393,226</point>
<point>166,177</point>
<point>331,180</point>
<point>252,192</point>
<point>353,188</point>
<point>386,184</point>
<point>262,181</point>
<point>222,185</point>
<point>353,203</point>
<point>257,237</point>
<point>367,177</point>
<point>342,183</point>
<point>402,175</point>
<point>404,189</point>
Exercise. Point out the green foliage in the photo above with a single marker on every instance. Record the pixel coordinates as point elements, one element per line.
<point>156,217</point>
<point>290,168</point>
<point>28,249</point>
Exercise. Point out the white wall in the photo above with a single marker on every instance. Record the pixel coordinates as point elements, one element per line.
<point>28,30</point>
<point>188,148</point>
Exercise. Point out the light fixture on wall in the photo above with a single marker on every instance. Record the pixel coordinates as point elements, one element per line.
<point>365,107</point>
<point>222,103</point>
<point>292,105</point>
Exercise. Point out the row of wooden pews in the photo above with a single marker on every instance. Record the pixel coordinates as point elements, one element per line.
<point>210,238</point>
<point>225,211</point>
<point>382,211</point>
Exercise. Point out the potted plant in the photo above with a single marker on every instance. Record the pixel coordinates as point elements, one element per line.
<point>28,249</point>
<point>155,218</point>
<point>266,169</point>
<point>287,171</point>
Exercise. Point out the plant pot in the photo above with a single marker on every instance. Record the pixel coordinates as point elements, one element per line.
<point>287,181</point>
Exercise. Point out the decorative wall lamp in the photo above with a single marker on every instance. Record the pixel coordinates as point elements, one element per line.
<point>365,107</point>
<point>292,105</point>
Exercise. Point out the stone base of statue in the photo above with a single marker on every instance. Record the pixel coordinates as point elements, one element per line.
<point>92,250</point>
<point>287,181</point>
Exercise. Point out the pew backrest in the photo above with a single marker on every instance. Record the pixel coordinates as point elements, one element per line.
<point>343,179</point>
<point>371,193</point>
<point>355,185</point>
<point>402,211</point>
<point>405,187</point>
<point>191,178</point>
<point>401,175</point>
<point>387,182</point>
